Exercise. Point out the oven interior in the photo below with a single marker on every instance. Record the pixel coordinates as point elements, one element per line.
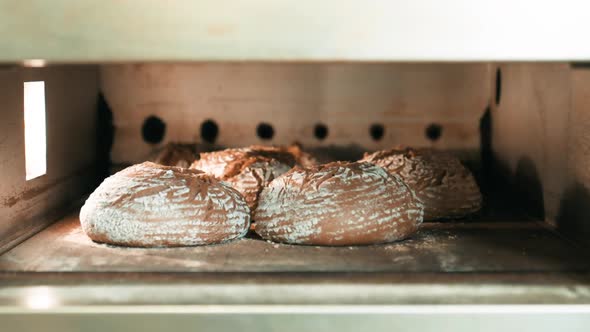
<point>520,127</point>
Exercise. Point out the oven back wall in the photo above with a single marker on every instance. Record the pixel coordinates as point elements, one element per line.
<point>71,95</point>
<point>293,98</point>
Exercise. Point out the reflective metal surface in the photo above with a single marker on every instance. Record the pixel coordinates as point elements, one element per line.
<point>283,30</point>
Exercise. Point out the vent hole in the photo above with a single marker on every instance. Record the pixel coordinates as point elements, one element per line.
<point>153,130</point>
<point>265,131</point>
<point>498,86</point>
<point>209,131</point>
<point>377,131</point>
<point>433,131</point>
<point>320,131</point>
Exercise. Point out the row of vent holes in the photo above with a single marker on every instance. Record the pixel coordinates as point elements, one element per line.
<point>154,129</point>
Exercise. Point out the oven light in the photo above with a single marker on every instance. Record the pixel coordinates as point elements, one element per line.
<point>34,63</point>
<point>40,298</point>
<point>35,131</point>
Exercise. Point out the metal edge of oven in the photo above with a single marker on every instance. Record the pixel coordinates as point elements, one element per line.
<point>290,302</point>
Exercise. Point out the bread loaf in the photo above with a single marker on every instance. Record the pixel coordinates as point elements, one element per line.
<point>337,204</point>
<point>149,205</point>
<point>294,151</point>
<point>248,170</point>
<point>176,154</point>
<point>302,158</point>
<point>443,184</point>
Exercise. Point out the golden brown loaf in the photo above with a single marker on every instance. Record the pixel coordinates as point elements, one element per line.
<point>337,204</point>
<point>302,158</point>
<point>149,205</point>
<point>175,154</point>
<point>292,152</point>
<point>445,186</point>
<point>248,170</point>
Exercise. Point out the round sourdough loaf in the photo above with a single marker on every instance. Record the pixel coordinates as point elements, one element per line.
<point>248,170</point>
<point>302,158</point>
<point>337,204</point>
<point>176,154</point>
<point>149,205</point>
<point>443,184</point>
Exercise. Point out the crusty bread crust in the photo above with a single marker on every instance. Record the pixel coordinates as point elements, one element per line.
<point>337,204</point>
<point>150,205</point>
<point>443,184</point>
<point>249,169</point>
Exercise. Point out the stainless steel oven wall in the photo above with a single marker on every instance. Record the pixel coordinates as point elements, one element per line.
<point>540,121</point>
<point>70,96</point>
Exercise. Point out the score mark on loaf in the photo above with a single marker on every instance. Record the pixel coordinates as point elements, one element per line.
<point>337,204</point>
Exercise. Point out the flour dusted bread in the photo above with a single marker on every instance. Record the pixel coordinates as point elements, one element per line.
<point>248,170</point>
<point>337,204</point>
<point>445,186</point>
<point>149,205</point>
